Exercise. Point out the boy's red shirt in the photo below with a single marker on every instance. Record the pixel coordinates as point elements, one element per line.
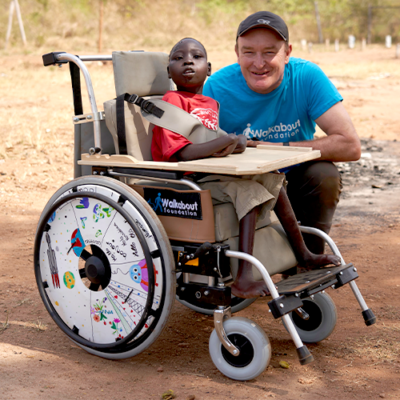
<point>166,143</point>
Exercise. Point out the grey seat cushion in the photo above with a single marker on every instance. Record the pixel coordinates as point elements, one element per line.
<point>227,224</point>
<point>271,247</point>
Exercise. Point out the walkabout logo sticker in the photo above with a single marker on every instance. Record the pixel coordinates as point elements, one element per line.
<point>174,204</point>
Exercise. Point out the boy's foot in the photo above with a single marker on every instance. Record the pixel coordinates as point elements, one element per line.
<point>249,289</point>
<point>314,261</point>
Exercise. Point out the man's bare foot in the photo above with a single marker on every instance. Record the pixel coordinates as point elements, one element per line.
<point>249,289</point>
<point>314,261</point>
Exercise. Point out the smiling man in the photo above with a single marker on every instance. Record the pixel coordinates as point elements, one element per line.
<point>269,96</point>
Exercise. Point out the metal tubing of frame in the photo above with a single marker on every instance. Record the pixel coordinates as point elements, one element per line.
<point>219,316</point>
<point>186,277</point>
<point>327,238</point>
<point>181,181</point>
<point>359,296</point>
<point>272,289</point>
<point>96,119</point>
<point>193,185</point>
<point>263,271</point>
<point>96,58</point>
<point>335,250</point>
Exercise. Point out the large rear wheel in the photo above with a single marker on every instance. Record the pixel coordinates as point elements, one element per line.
<point>104,267</point>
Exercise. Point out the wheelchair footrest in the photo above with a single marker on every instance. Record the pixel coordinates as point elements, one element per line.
<point>308,283</point>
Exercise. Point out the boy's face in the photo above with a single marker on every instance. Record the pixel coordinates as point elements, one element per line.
<point>188,66</point>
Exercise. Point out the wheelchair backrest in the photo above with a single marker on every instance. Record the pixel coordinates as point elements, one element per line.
<point>144,74</point>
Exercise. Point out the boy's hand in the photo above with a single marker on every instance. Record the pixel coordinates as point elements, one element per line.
<point>228,149</point>
<point>241,146</point>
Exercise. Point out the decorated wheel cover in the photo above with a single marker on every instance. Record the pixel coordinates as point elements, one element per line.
<point>92,266</point>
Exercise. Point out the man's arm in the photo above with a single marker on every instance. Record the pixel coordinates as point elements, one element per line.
<point>341,143</point>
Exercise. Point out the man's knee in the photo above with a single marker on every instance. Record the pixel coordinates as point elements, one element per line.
<point>320,179</point>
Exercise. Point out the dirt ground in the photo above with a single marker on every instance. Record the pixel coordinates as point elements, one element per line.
<point>356,362</point>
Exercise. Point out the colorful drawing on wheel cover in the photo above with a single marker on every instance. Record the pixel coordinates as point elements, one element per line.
<point>53,263</point>
<point>52,218</point>
<point>99,212</point>
<point>83,219</point>
<point>69,280</point>
<point>99,311</point>
<point>84,203</point>
<point>128,310</point>
<point>77,243</point>
<point>139,274</point>
<point>114,326</point>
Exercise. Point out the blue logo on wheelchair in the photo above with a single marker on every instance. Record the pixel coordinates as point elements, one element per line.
<point>157,203</point>
<point>174,203</point>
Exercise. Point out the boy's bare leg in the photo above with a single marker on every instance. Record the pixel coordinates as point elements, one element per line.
<point>305,258</point>
<point>245,286</point>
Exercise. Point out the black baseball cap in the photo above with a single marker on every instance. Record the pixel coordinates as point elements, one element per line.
<point>264,19</point>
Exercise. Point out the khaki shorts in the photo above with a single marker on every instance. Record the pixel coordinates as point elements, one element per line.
<point>246,192</point>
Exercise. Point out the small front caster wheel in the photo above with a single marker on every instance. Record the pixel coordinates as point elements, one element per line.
<point>253,344</point>
<point>322,318</point>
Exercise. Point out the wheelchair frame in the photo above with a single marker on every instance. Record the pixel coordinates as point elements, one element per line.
<point>287,296</point>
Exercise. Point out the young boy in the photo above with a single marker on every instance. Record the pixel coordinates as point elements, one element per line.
<point>251,196</point>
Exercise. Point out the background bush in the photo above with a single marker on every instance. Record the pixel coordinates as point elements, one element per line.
<point>72,25</point>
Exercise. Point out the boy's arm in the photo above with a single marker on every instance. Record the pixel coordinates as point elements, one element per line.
<point>220,147</point>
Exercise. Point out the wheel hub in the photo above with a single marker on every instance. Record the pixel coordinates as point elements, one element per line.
<point>246,351</point>
<point>95,269</point>
<point>313,322</point>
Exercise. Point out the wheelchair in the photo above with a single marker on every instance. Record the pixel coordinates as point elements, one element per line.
<point>127,236</point>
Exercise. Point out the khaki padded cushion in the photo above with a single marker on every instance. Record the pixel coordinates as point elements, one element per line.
<point>141,73</point>
<point>138,131</point>
<point>227,224</point>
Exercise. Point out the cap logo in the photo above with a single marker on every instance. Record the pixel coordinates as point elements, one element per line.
<point>263,21</point>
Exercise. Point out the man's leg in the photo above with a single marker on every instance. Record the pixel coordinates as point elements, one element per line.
<point>313,190</point>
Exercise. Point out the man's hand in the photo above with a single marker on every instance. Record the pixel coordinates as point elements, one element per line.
<point>253,143</point>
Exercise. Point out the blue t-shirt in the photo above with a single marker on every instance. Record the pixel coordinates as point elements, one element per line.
<point>286,114</point>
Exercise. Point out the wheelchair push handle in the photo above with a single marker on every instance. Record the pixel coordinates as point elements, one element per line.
<point>59,58</point>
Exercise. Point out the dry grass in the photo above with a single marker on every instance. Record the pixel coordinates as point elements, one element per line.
<point>39,326</point>
<point>22,302</point>
<point>379,348</point>
<point>4,325</point>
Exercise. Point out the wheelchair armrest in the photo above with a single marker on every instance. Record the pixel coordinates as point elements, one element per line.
<point>150,173</point>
